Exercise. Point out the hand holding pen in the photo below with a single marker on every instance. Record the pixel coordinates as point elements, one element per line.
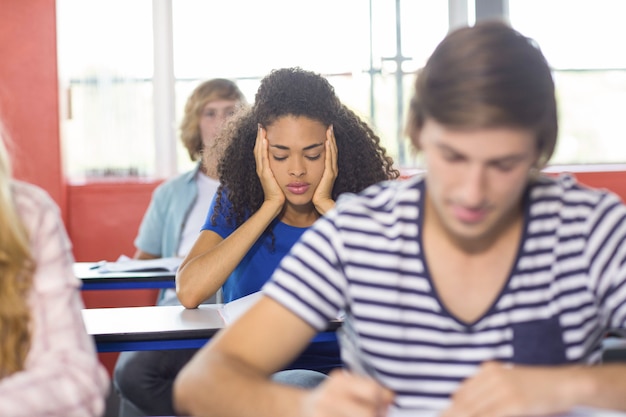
<point>354,393</point>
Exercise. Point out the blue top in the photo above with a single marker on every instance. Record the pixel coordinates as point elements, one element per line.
<point>255,269</point>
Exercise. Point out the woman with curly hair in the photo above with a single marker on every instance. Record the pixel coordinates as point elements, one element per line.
<point>48,362</point>
<point>288,159</point>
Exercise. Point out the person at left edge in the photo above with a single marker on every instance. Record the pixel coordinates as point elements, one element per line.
<point>48,362</point>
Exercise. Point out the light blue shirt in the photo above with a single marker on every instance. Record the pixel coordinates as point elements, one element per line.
<point>162,224</point>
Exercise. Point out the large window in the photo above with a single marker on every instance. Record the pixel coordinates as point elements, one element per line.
<point>368,49</point>
<point>105,70</point>
<point>583,42</point>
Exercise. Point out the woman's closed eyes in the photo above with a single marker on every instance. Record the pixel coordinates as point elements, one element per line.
<point>309,157</point>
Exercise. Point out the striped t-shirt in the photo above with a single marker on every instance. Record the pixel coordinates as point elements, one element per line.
<point>566,289</point>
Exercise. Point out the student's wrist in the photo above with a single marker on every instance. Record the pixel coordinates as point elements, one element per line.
<point>272,207</point>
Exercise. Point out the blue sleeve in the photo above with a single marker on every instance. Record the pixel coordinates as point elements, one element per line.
<point>221,225</point>
<point>149,238</point>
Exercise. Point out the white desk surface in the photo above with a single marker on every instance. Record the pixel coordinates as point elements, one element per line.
<point>152,322</point>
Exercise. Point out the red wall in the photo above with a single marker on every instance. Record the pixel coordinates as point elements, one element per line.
<point>611,180</point>
<point>104,217</point>
<point>29,102</point>
<point>102,222</point>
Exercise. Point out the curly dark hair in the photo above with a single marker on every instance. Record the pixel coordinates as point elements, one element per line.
<point>361,159</point>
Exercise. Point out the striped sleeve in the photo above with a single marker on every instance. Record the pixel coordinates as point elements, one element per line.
<point>606,251</point>
<point>309,280</point>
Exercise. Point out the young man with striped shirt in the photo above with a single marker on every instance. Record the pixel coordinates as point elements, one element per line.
<point>481,288</point>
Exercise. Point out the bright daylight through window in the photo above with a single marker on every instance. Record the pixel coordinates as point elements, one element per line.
<point>106,67</point>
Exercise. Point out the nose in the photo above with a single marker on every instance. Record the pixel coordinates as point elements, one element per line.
<point>297,167</point>
<point>474,187</point>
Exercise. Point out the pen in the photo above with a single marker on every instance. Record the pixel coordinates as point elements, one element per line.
<point>348,339</point>
<point>355,357</point>
<point>97,265</point>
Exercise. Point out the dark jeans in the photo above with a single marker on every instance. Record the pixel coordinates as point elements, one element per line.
<point>146,378</point>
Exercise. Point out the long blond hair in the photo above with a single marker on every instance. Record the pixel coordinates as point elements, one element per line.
<point>16,275</point>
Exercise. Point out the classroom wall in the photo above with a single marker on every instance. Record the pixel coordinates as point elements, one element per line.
<point>611,180</point>
<point>29,102</point>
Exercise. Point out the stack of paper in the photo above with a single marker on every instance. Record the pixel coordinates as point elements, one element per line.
<point>125,264</point>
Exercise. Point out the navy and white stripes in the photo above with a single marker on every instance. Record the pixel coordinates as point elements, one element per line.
<point>567,288</point>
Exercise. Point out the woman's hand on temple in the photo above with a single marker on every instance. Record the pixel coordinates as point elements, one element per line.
<point>271,189</point>
<point>323,198</point>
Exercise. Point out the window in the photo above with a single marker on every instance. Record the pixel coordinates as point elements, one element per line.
<point>369,50</point>
<point>583,42</point>
<point>105,63</point>
<point>105,78</point>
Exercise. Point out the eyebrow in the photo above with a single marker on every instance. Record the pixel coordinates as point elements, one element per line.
<point>306,148</point>
<point>505,158</point>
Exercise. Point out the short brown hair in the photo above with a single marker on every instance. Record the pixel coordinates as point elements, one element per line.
<point>488,75</point>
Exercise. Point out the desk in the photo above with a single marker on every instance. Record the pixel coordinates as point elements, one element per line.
<point>152,327</point>
<point>159,327</point>
<point>94,280</point>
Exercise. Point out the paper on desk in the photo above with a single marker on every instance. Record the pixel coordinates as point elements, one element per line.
<point>126,264</point>
<point>236,308</point>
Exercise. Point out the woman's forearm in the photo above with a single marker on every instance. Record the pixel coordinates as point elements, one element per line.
<point>211,261</point>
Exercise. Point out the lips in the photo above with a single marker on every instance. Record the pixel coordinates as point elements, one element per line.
<point>298,187</point>
<point>470,216</point>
